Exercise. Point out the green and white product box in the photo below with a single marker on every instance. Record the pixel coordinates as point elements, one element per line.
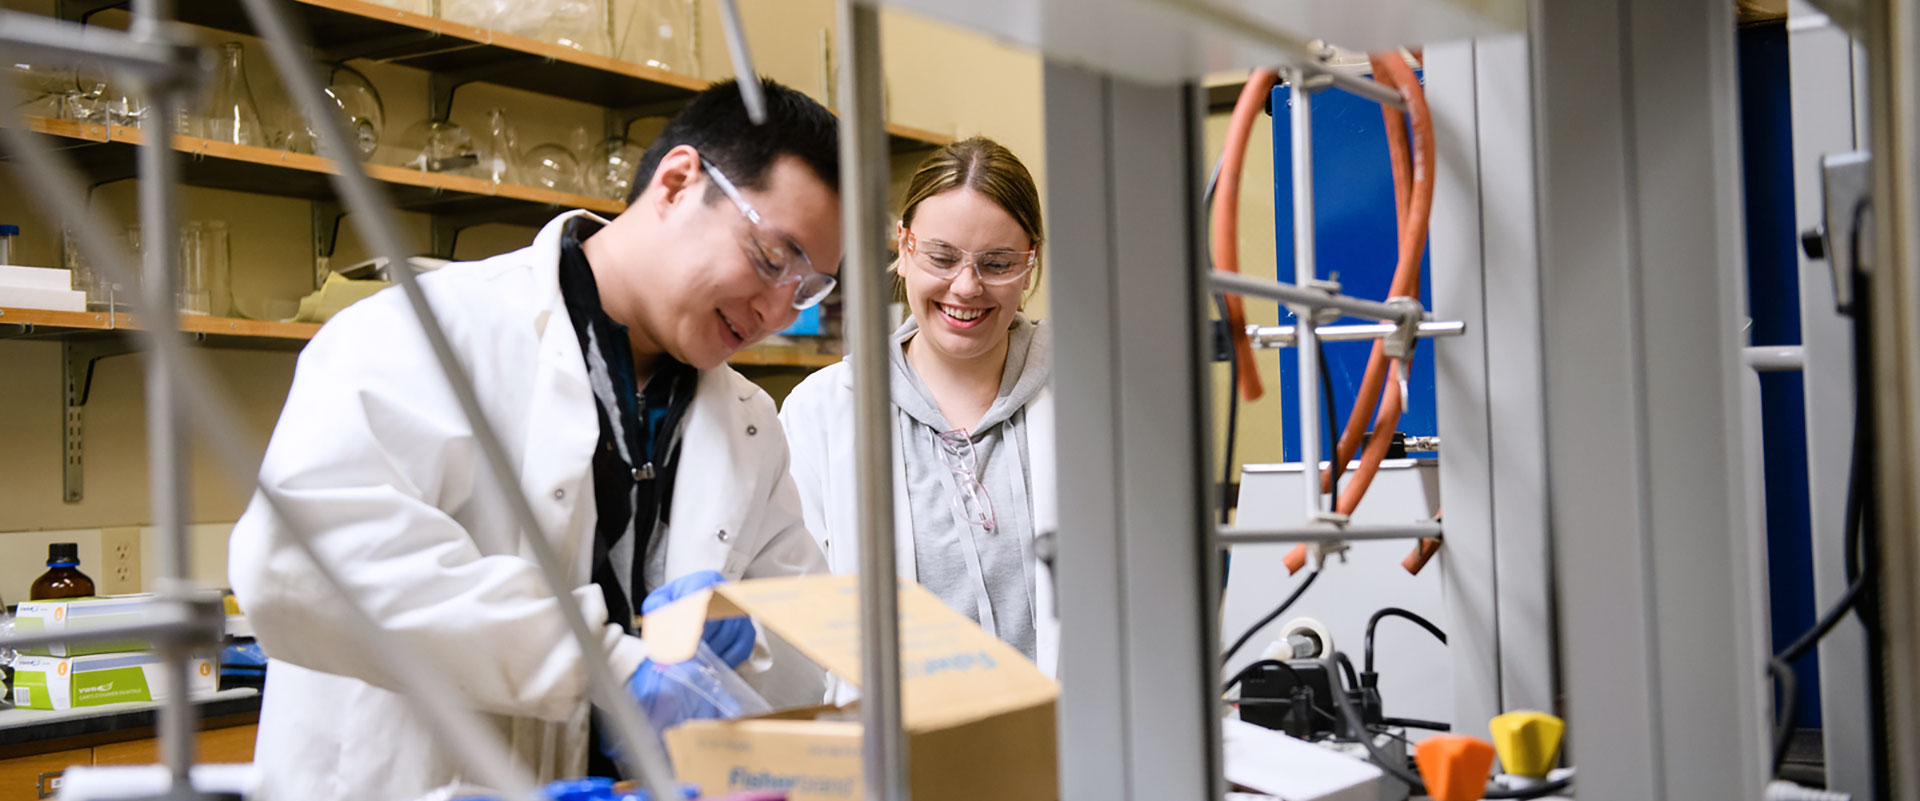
<point>46,682</point>
<point>83,614</point>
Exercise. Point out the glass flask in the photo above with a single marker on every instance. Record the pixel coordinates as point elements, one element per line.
<point>366,115</point>
<point>551,166</point>
<point>610,168</point>
<point>500,158</point>
<point>231,114</point>
<point>660,34</point>
<point>440,146</point>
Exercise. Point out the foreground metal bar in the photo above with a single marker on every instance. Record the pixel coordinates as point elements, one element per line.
<point>1292,295</point>
<point>750,94</point>
<point>1137,569</point>
<point>1326,532</point>
<point>1307,358</point>
<point>1661,582</point>
<point>30,35</point>
<point>1282,336</point>
<point>1892,39</point>
<point>167,471</point>
<point>450,719</point>
<point>863,199</point>
<point>642,756</point>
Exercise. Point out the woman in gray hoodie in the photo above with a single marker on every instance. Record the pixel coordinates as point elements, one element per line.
<point>973,414</point>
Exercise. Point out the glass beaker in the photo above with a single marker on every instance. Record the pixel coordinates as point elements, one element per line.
<point>231,114</point>
<point>203,283</point>
<point>190,291</point>
<point>102,292</point>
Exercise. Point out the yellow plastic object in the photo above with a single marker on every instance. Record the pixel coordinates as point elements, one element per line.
<point>1528,742</point>
<point>1455,767</point>
<point>232,605</point>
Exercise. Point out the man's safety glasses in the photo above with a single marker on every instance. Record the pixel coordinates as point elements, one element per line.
<point>781,264</point>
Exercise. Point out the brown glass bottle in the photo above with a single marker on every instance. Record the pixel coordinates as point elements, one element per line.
<point>63,578</point>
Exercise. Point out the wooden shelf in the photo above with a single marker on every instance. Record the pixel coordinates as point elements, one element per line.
<point>44,324</point>
<point>345,29</point>
<point>110,154</point>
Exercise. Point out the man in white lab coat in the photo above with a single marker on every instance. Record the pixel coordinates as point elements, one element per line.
<point>599,355</point>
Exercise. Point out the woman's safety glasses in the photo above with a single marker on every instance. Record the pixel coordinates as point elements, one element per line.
<point>992,267</point>
<point>970,503</point>
<point>781,264</point>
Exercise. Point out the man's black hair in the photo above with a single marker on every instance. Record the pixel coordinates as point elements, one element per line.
<point>715,123</point>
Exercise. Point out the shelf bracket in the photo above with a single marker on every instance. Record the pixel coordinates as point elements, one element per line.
<point>82,10</point>
<point>445,228</point>
<point>441,85</point>
<point>325,218</point>
<point>620,119</point>
<point>78,357</point>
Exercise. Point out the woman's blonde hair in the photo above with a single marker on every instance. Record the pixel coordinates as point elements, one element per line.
<point>987,167</point>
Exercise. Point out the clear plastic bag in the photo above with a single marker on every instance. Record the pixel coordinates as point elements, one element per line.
<point>701,688</point>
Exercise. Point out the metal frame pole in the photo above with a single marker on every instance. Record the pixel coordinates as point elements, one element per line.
<point>159,172</point>
<point>863,198</point>
<point>1306,357</point>
<point>1893,84</point>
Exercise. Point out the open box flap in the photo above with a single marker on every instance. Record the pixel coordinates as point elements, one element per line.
<point>953,671</point>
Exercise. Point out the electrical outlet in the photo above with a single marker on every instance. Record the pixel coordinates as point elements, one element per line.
<point>119,561</point>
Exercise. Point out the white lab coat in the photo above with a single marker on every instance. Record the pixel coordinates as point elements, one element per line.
<point>374,455</point>
<point>818,416</point>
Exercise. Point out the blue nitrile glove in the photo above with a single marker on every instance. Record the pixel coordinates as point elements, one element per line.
<point>670,695</point>
<point>730,639</point>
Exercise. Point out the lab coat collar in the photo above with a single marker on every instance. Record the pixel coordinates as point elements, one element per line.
<point>544,255</point>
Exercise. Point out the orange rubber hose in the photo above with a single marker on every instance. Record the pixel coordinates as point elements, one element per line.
<point>1226,216</point>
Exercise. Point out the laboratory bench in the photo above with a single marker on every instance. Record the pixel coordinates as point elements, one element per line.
<point>37,745</point>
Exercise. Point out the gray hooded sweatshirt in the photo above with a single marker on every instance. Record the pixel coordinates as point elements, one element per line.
<point>984,574</point>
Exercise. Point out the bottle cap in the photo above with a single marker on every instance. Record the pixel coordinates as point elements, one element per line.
<point>1527,742</point>
<point>9,230</point>
<point>63,553</point>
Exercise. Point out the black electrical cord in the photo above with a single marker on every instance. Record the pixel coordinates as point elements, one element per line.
<point>1233,365</point>
<point>1858,511</point>
<point>1416,723</point>
<point>1333,426</point>
<point>1394,611</point>
<point>1416,785</point>
<point>1271,616</point>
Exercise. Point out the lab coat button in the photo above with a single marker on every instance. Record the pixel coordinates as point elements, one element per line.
<point>724,536</point>
<point>752,430</point>
<point>559,495</point>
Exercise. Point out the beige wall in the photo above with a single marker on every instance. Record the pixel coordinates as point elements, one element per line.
<point>938,79</point>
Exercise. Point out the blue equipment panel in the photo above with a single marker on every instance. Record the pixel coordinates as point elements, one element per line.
<point>1357,239</point>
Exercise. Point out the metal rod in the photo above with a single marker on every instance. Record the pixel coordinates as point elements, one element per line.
<point>863,199</point>
<point>165,627</point>
<point>167,472</point>
<point>750,94</point>
<point>28,35</point>
<point>1364,87</point>
<point>1307,358</point>
<point>643,756</point>
<point>1237,284</point>
<point>1243,25</point>
<point>474,741</point>
<point>1326,532</point>
<point>1775,358</point>
<point>1281,336</point>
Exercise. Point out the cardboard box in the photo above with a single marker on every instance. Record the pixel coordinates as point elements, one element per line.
<point>979,716</point>
<point>83,614</point>
<point>46,682</point>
